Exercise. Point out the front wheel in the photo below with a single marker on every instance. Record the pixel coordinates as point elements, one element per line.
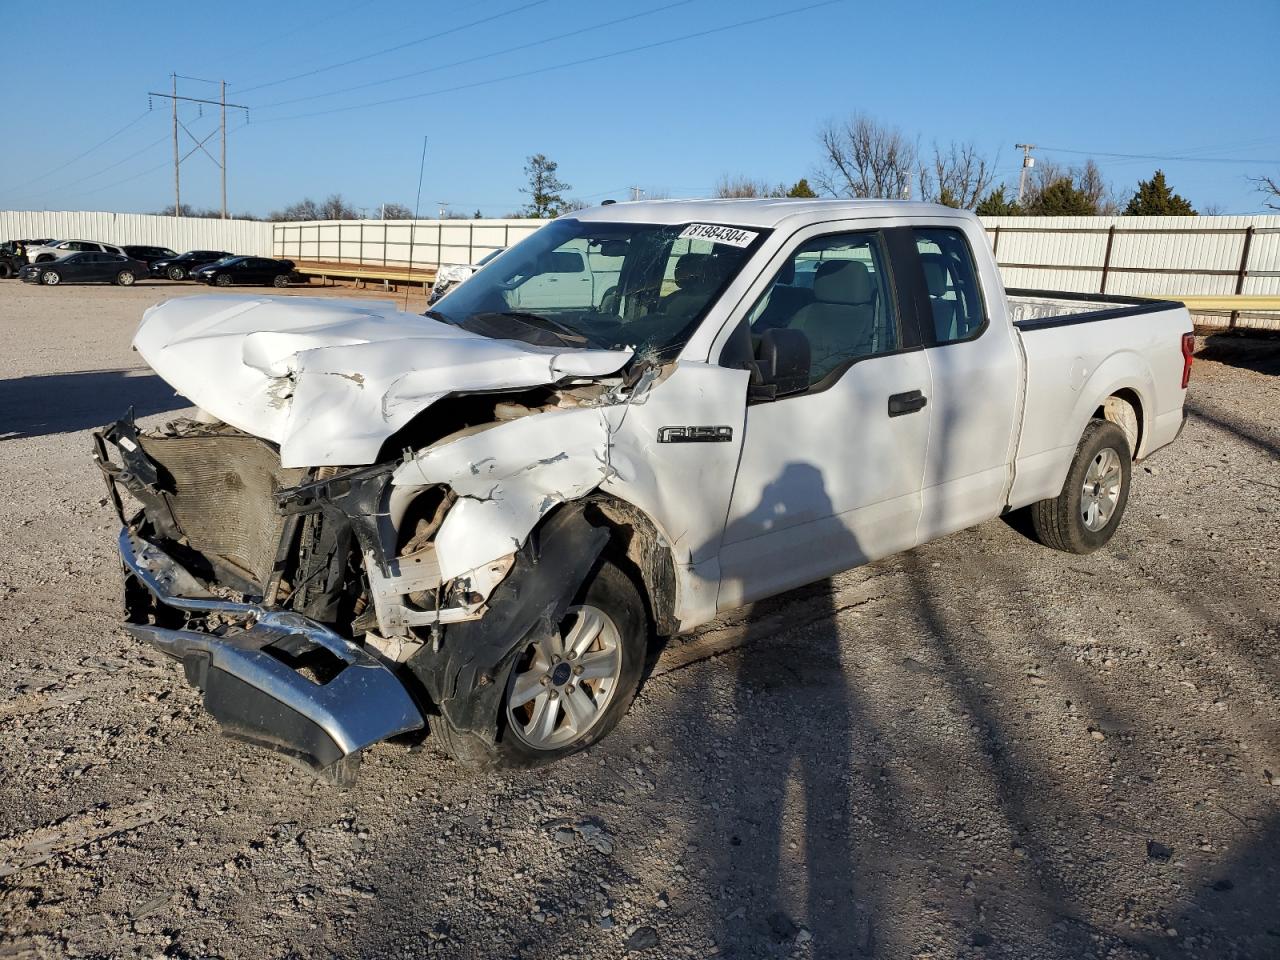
<point>222,280</point>
<point>176,273</point>
<point>1084,516</point>
<point>569,689</point>
<point>125,279</point>
<point>50,279</point>
<point>6,271</point>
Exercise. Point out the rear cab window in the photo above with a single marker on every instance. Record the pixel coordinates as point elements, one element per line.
<point>951,280</point>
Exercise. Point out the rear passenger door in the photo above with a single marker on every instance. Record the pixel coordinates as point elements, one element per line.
<point>830,477</point>
<point>976,368</point>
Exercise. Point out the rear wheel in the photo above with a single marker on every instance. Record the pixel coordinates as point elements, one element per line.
<point>6,271</point>
<point>50,278</point>
<point>281,281</point>
<point>176,273</point>
<point>570,689</point>
<point>125,278</point>
<point>1084,516</point>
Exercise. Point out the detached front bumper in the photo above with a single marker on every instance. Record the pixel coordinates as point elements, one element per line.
<point>270,677</point>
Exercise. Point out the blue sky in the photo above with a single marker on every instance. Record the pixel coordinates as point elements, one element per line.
<point>1178,79</point>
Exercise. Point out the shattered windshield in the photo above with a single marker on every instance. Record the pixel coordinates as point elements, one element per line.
<point>603,285</point>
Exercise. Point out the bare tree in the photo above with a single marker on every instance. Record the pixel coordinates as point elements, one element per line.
<point>739,186</point>
<point>1269,187</point>
<point>396,211</point>
<point>958,176</point>
<point>865,158</point>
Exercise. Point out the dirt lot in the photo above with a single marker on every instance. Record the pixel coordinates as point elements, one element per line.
<point>980,748</point>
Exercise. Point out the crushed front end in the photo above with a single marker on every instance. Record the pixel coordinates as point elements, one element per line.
<point>255,598</point>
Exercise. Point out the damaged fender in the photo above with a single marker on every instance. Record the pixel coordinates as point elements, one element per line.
<point>466,674</point>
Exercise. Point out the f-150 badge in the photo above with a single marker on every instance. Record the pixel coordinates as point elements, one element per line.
<point>695,434</point>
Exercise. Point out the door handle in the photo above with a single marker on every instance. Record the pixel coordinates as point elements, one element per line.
<point>909,402</point>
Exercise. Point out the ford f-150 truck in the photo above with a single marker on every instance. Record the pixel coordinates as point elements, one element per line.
<point>478,519</point>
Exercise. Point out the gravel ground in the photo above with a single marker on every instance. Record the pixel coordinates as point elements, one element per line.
<point>980,748</point>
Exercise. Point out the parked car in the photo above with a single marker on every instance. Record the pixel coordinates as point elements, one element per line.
<point>452,274</point>
<point>149,255</point>
<point>499,507</point>
<point>38,253</point>
<point>260,271</point>
<point>86,268</point>
<point>180,267</point>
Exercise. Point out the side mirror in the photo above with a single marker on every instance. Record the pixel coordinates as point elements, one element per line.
<point>782,360</point>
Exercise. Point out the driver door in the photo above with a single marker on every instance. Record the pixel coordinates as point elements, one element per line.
<point>830,476</point>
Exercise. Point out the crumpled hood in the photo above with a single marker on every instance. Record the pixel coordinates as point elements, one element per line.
<point>330,380</point>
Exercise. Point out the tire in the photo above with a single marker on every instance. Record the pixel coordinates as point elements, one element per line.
<point>1084,516</point>
<point>609,593</point>
<point>280,281</point>
<point>125,279</point>
<point>6,271</point>
<point>50,278</point>
<point>176,273</point>
<point>222,280</point>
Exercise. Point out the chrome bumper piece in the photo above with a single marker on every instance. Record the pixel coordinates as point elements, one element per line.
<point>250,674</point>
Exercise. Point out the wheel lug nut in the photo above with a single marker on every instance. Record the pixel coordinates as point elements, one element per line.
<point>546,679</point>
<point>577,671</point>
<point>555,694</point>
<point>569,688</point>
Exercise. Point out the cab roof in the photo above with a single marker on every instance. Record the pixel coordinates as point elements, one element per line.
<point>766,213</point>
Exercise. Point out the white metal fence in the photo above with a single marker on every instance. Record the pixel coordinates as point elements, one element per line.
<point>1140,256</point>
<point>1159,256</point>
<point>399,243</point>
<point>176,233</point>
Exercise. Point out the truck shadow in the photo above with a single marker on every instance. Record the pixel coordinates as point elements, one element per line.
<point>1252,351</point>
<point>68,402</point>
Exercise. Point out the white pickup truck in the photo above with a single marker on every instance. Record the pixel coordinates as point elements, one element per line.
<point>478,519</point>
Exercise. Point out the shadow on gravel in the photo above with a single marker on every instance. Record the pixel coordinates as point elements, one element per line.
<point>1233,425</point>
<point>1239,896</point>
<point>1256,352</point>
<point>777,841</point>
<point>67,402</point>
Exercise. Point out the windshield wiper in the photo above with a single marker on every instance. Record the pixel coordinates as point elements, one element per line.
<point>437,315</point>
<point>565,333</point>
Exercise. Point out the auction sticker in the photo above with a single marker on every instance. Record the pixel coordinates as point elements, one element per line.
<point>709,231</point>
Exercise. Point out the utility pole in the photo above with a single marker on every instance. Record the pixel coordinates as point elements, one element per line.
<point>177,187</point>
<point>1028,161</point>
<point>224,149</point>
<point>637,193</point>
<point>444,205</point>
<point>222,104</point>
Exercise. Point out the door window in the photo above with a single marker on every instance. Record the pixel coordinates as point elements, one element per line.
<point>954,294</point>
<point>836,291</point>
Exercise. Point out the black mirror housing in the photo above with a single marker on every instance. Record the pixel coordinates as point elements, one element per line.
<point>783,361</point>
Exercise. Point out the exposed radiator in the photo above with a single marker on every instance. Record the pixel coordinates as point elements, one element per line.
<point>221,487</point>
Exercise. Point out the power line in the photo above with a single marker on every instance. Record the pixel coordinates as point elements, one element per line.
<point>399,46</point>
<point>479,57</point>
<point>81,156</point>
<point>1152,156</point>
<point>560,66</point>
<point>97,173</point>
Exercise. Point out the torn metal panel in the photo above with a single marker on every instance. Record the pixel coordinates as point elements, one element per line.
<point>467,673</point>
<point>328,380</point>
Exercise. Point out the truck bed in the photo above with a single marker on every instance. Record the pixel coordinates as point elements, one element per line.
<point>1042,309</point>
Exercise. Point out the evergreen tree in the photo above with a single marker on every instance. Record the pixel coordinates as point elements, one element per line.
<point>1155,199</point>
<point>1062,198</point>
<point>801,189</point>
<point>995,204</point>
<point>545,190</point>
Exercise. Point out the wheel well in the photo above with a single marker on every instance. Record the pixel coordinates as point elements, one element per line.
<point>639,549</point>
<point>1124,409</point>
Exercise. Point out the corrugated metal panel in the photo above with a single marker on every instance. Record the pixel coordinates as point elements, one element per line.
<point>1161,256</point>
<point>177,233</point>
<point>425,243</point>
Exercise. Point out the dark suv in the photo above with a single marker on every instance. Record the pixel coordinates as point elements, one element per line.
<point>149,255</point>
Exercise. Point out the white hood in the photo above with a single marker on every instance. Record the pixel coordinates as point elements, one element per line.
<point>330,380</point>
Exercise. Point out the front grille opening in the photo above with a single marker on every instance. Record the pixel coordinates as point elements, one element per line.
<point>312,661</point>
